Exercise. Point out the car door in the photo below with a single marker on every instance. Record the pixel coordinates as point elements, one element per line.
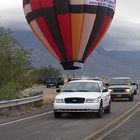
<point>103,94</point>
<point>105,98</point>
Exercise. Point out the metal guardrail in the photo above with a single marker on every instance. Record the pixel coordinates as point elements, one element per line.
<point>16,102</point>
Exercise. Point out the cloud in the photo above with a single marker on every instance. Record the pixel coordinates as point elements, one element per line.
<point>12,15</point>
<point>13,18</point>
<point>127,10</point>
<point>8,4</point>
<point>122,36</point>
<point>123,33</point>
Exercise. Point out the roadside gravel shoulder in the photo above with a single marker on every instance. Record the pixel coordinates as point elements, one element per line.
<point>18,113</point>
<point>15,114</point>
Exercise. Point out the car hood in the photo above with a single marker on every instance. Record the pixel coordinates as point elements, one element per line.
<point>118,86</point>
<point>78,94</point>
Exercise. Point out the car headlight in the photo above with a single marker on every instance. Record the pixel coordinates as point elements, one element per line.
<point>128,90</point>
<point>59,100</point>
<point>93,100</point>
<point>110,90</point>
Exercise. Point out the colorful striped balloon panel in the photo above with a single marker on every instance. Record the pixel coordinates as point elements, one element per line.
<point>69,29</point>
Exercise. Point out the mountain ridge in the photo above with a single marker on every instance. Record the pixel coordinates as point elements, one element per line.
<point>101,62</point>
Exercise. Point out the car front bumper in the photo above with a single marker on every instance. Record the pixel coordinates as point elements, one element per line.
<point>120,95</point>
<point>85,107</point>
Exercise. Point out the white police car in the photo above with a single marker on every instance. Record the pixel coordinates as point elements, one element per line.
<point>82,96</point>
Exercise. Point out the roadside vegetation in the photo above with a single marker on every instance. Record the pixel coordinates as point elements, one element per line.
<point>16,70</point>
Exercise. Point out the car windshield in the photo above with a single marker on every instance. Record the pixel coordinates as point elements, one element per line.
<point>51,81</point>
<point>120,82</point>
<point>81,87</point>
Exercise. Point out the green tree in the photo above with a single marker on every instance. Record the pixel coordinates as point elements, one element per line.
<point>16,72</point>
<point>42,74</point>
<point>15,62</point>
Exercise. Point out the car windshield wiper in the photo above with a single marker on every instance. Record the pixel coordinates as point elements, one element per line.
<point>113,84</point>
<point>68,91</point>
<point>83,91</point>
<point>117,84</point>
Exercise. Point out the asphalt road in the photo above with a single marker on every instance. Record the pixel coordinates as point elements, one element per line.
<point>70,127</point>
<point>128,131</point>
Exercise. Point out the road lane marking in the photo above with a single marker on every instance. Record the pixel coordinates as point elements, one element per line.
<point>26,118</point>
<point>117,126</point>
<point>103,131</point>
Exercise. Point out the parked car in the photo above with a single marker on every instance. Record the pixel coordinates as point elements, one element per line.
<point>82,96</point>
<point>122,87</point>
<point>54,82</point>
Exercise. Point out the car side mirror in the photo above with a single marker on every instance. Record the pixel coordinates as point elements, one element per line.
<point>133,84</point>
<point>105,90</point>
<point>58,90</point>
<point>106,84</point>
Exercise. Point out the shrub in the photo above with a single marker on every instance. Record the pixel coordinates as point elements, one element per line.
<point>9,91</point>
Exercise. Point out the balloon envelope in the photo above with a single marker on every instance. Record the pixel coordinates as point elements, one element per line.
<point>69,29</point>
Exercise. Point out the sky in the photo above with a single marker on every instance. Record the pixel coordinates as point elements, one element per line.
<point>123,34</point>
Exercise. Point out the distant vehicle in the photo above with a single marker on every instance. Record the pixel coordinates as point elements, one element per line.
<point>82,96</point>
<point>122,87</point>
<point>54,82</point>
<point>60,81</point>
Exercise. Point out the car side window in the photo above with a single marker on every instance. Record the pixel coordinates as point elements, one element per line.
<point>97,87</point>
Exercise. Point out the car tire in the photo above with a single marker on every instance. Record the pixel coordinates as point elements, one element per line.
<point>135,92</point>
<point>112,98</point>
<point>131,98</point>
<point>99,114</point>
<point>108,109</point>
<point>57,114</point>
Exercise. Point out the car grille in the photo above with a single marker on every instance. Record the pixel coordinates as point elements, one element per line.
<point>75,100</point>
<point>118,90</point>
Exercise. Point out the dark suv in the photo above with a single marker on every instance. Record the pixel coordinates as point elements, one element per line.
<point>54,82</point>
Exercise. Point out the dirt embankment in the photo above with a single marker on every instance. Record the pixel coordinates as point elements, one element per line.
<point>49,97</point>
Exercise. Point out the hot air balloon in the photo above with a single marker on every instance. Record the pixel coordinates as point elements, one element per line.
<point>69,29</point>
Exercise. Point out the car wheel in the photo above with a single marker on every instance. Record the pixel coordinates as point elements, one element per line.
<point>112,98</point>
<point>99,114</point>
<point>108,109</point>
<point>131,98</point>
<point>135,92</point>
<point>57,114</point>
